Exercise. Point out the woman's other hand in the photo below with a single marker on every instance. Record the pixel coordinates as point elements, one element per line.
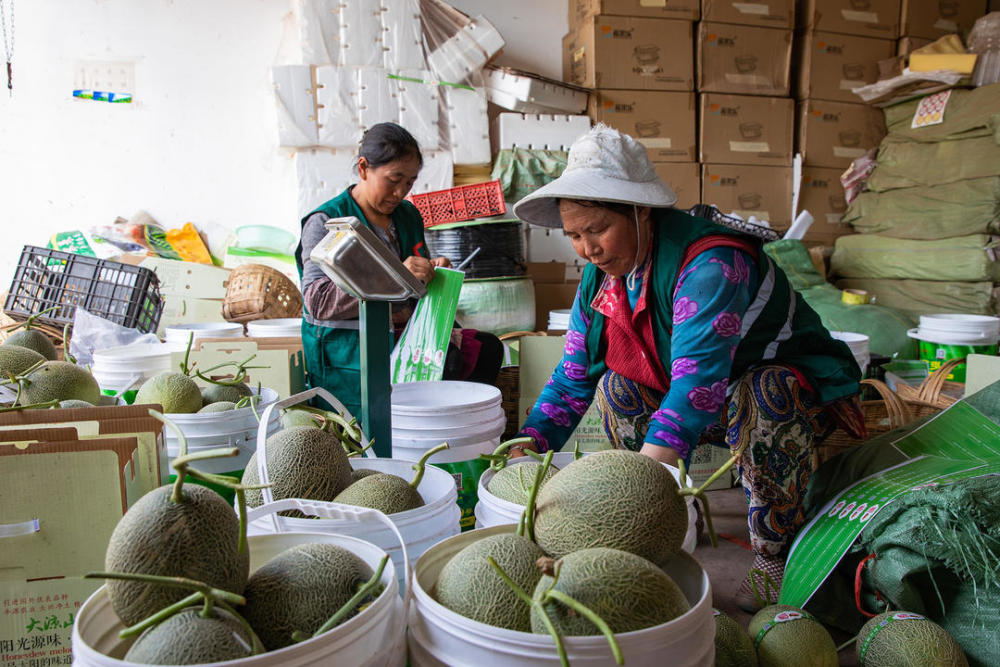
<point>659,453</point>
<point>442,262</point>
<point>420,267</point>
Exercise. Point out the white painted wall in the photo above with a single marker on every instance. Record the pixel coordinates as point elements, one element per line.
<point>199,142</point>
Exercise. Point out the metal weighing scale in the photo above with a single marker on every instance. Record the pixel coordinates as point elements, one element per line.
<point>360,264</point>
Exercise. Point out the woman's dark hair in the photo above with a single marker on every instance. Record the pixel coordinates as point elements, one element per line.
<point>614,207</point>
<point>387,142</point>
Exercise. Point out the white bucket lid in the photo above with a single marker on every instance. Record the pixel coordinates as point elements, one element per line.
<point>279,327</point>
<point>948,338</point>
<point>855,341</point>
<point>454,396</point>
<point>181,332</point>
<point>960,324</point>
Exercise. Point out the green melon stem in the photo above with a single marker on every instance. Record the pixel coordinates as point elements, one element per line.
<point>576,450</point>
<point>591,616</point>
<point>66,355</point>
<point>699,492</point>
<point>241,503</point>
<point>529,508</point>
<point>256,645</point>
<point>31,319</point>
<point>185,368</point>
<point>160,616</point>
<point>846,644</point>
<point>519,592</point>
<point>498,459</point>
<point>366,589</point>
<point>15,407</point>
<point>422,463</point>
<point>769,587</point>
<point>24,374</point>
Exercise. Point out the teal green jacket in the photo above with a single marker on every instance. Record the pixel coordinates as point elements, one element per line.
<point>778,327</point>
<point>333,353</point>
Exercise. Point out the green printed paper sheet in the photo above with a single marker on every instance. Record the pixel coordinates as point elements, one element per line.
<point>959,443</point>
<point>420,352</point>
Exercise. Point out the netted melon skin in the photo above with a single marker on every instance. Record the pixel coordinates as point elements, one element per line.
<point>514,483</point>
<point>802,641</point>
<point>188,639</point>
<point>907,640</point>
<point>300,589</point>
<point>35,341</point>
<point>176,392</point>
<point>215,393</point>
<point>386,493</point>
<point>733,646</point>
<point>627,591</point>
<point>197,538</point>
<point>617,499</point>
<point>469,586</point>
<point>59,381</point>
<point>302,462</point>
<point>15,359</point>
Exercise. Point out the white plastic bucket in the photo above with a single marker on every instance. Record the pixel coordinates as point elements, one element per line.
<point>858,344</point>
<point>375,636</point>
<point>176,335</point>
<point>456,436</point>
<point>444,404</point>
<point>418,529</point>
<point>119,368</point>
<point>276,328</point>
<point>439,636</point>
<point>494,511</point>
<point>953,336</point>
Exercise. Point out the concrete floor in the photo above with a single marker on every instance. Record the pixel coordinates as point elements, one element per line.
<point>728,563</point>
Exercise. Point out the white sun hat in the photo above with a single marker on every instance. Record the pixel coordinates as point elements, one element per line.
<point>603,165</point>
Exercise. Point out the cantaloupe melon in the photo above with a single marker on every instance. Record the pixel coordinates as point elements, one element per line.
<point>388,493</point>
<point>187,638</point>
<point>35,341</point>
<point>302,462</point>
<point>59,381</point>
<point>176,392</point>
<point>300,589</point>
<point>787,636</point>
<point>627,591</point>
<point>513,483</point>
<point>214,393</point>
<point>15,359</point>
<point>733,646</point>
<point>617,499</point>
<point>903,638</point>
<point>218,406</point>
<point>358,473</point>
<point>468,584</point>
<point>75,403</point>
<point>197,538</point>
<point>290,418</point>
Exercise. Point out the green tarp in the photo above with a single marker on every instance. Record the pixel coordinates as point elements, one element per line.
<point>886,328</point>
<point>969,113</point>
<point>924,297</point>
<point>929,212</point>
<point>964,258</point>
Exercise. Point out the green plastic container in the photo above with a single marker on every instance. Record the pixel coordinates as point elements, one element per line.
<point>954,336</point>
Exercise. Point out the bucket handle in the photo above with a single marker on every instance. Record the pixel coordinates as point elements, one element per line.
<point>331,510</point>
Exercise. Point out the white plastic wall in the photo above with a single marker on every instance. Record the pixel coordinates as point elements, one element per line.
<point>199,142</point>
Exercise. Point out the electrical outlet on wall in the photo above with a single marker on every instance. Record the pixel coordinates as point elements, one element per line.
<point>105,76</point>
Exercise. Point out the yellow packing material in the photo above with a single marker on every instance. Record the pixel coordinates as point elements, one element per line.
<point>187,243</point>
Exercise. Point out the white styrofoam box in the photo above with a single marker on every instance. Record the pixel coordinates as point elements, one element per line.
<point>322,174</point>
<point>360,33</point>
<point>337,107</point>
<point>402,35</point>
<point>318,23</point>
<point>549,245</point>
<point>293,89</point>
<point>466,51</point>
<point>438,172</point>
<point>419,99</point>
<point>530,93</point>
<point>468,127</point>
<point>547,131</point>
<point>378,97</point>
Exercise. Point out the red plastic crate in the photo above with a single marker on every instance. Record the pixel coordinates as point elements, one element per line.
<point>479,200</point>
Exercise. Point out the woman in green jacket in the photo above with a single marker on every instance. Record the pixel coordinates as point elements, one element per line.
<point>388,163</point>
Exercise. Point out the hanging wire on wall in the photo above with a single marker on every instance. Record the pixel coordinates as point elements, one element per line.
<point>501,247</point>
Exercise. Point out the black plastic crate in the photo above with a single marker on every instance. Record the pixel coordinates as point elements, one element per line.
<point>125,294</point>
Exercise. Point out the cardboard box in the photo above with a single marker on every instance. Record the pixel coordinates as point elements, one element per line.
<point>823,196</point>
<point>182,310</point>
<point>764,192</point>
<point>685,10</point>
<point>552,290</point>
<point>743,60</point>
<point>934,18</point>
<point>868,18</point>
<point>831,64</point>
<point>770,14</point>
<point>906,45</point>
<point>279,362</point>
<point>630,53</point>
<point>189,279</point>
<point>745,129</point>
<point>662,122</point>
<point>684,179</point>
<point>834,134</point>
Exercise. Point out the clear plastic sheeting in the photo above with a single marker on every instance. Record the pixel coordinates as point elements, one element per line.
<point>318,23</point>
<point>402,35</point>
<point>360,33</point>
<point>337,106</point>
<point>419,102</point>
<point>293,89</point>
<point>458,46</point>
<point>468,129</point>
<point>320,175</point>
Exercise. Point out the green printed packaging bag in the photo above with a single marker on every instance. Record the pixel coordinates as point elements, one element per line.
<point>420,351</point>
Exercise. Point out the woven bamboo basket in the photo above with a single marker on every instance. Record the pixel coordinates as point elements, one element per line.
<point>935,393</point>
<point>882,414</point>
<point>258,292</point>
<point>509,384</point>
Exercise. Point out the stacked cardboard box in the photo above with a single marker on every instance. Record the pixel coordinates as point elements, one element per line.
<point>638,59</point>
<point>746,116</point>
<point>838,47</point>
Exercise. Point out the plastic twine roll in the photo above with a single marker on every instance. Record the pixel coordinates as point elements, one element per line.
<point>501,246</point>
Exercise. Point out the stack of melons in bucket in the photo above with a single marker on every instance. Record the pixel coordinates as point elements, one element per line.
<point>588,557</point>
<point>178,566</point>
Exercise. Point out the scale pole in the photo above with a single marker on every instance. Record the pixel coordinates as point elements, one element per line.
<point>376,345</point>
